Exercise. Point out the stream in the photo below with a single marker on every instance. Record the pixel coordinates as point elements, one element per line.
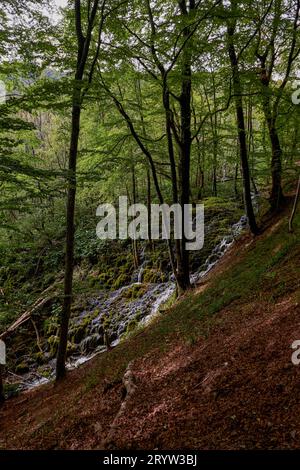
<point>115,314</point>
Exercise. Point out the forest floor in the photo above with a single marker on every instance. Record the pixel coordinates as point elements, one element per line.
<point>212,372</point>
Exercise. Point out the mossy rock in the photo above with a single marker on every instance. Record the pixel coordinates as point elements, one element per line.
<point>45,372</point>
<point>22,368</point>
<point>104,280</point>
<point>53,343</point>
<point>71,348</point>
<point>107,320</point>
<point>134,292</point>
<point>39,357</point>
<point>153,276</point>
<point>132,325</point>
<point>121,281</point>
<point>51,326</point>
<point>77,334</point>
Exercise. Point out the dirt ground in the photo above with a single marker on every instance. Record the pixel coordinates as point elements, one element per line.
<point>235,389</point>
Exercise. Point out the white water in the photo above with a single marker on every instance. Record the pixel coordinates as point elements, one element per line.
<point>122,311</point>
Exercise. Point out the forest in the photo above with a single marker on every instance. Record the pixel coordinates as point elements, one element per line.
<point>141,342</point>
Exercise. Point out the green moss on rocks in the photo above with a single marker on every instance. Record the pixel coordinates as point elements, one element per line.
<point>134,292</point>
<point>153,276</point>
<point>22,368</point>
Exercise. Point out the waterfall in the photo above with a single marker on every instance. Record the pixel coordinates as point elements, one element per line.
<point>116,311</point>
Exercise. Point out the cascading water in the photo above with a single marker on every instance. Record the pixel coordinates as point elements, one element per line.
<point>112,314</point>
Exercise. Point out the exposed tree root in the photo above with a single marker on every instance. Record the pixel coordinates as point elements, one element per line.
<point>129,390</point>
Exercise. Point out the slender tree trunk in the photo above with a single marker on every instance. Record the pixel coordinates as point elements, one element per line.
<point>215,142</point>
<point>237,88</point>
<point>69,265</point>
<point>276,196</point>
<point>236,174</point>
<point>149,209</point>
<point>294,206</point>
<point>213,125</point>
<point>185,140</point>
<point>135,242</point>
<point>140,103</point>
<point>171,153</point>
<point>214,181</point>
<point>199,181</point>
<point>251,143</point>
<point>83,51</point>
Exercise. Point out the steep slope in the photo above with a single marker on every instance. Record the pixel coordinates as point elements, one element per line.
<point>213,372</point>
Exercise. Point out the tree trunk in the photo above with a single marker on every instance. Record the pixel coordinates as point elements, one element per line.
<point>276,196</point>
<point>294,206</point>
<point>185,143</point>
<point>149,209</point>
<point>236,174</point>
<point>82,55</point>
<point>136,260</point>
<point>69,264</point>
<point>242,137</point>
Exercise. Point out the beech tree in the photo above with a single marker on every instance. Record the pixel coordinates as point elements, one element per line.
<point>83,50</point>
<point>277,49</point>
<point>240,117</point>
<point>162,51</point>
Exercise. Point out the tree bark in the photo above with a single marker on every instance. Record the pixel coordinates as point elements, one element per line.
<point>185,141</point>
<point>83,51</point>
<point>294,206</point>
<point>135,250</point>
<point>242,136</point>
<point>149,197</point>
<point>276,195</point>
<point>69,263</point>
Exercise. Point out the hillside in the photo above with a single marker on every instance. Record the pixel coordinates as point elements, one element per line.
<point>212,372</point>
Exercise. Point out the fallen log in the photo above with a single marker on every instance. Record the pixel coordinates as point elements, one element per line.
<point>39,303</point>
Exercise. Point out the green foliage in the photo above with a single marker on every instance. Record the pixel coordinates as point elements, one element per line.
<point>36,64</point>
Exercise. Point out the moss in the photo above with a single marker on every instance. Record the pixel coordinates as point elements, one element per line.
<point>39,357</point>
<point>132,325</point>
<point>169,303</point>
<point>22,368</point>
<point>78,333</point>
<point>153,276</point>
<point>11,390</point>
<point>121,280</point>
<point>107,319</point>
<point>71,348</point>
<point>51,326</point>
<point>44,372</point>
<point>92,382</point>
<point>53,343</point>
<point>134,292</point>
